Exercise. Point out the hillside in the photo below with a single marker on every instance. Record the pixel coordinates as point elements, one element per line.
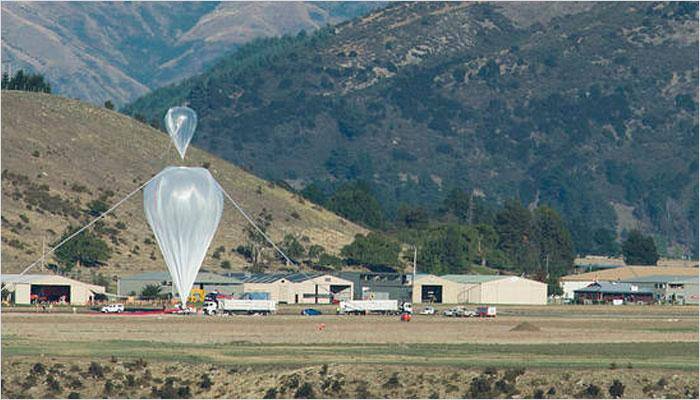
<point>58,155</point>
<point>118,51</point>
<point>590,107</point>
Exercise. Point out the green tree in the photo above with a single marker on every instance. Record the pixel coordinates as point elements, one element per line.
<point>412,217</point>
<point>315,251</point>
<point>514,228</point>
<point>446,249</point>
<point>150,291</point>
<point>84,249</point>
<point>109,105</point>
<point>639,249</point>
<point>554,245</point>
<point>25,82</point>
<point>355,202</point>
<point>256,241</point>
<point>97,207</point>
<point>292,248</point>
<point>373,250</point>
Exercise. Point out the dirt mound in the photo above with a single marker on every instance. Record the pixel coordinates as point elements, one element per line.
<point>525,327</point>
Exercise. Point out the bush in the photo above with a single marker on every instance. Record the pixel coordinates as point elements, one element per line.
<point>513,373</point>
<point>617,389</point>
<point>39,368</point>
<point>393,381</point>
<point>73,395</point>
<point>480,388</point>
<point>52,383</point>
<point>96,370</point>
<point>305,391</point>
<point>270,393</point>
<point>206,382</point>
<point>226,264</point>
<point>538,394</point>
<point>591,392</point>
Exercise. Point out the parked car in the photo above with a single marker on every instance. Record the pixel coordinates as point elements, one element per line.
<point>310,312</point>
<point>428,311</point>
<point>113,308</point>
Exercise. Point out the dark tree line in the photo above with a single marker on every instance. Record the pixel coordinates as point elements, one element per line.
<point>25,82</point>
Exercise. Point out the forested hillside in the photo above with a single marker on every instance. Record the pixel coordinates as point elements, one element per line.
<point>593,113</point>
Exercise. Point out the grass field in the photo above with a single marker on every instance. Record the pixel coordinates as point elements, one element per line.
<point>640,345</point>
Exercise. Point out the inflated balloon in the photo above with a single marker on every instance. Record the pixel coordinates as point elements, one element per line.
<point>183,207</point>
<point>181,123</point>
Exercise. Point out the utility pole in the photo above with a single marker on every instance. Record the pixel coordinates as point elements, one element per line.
<point>547,265</point>
<point>415,256</point>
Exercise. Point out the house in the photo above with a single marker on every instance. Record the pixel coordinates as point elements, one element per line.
<point>669,289</point>
<point>608,292</point>
<point>571,283</point>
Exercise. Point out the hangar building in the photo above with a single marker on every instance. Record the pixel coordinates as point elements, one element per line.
<point>298,288</point>
<point>207,281</point>
<point>26,289</point>
<point>571,283</point>
<point>478,289</point>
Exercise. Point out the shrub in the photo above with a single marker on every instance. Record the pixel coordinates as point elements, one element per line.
<point>130,381</point>
<point>270,393</point>
<point>538,394</point>
<point>305,391</point>
<point>73,395</point>
<point>552,391</point>
<point>362,391</point>
<point>512,374</point>
<point>205,383</point>
<point>480,388</point>
<point>183,392</point>
<point>109,387</point>
<point>295,215</point>
<point>24,218</point>
<point>505,387</point>
<point>39,368</point>
<point>226,264</point>
<point>52,383</point>
<point>393,381</point>
<point>96,370</point>
<point>591,391</point>
<point>617,389</point>
<point>490,371</point>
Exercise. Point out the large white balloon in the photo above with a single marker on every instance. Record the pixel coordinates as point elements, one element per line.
<point>181,123</point>
<point>183,207</point>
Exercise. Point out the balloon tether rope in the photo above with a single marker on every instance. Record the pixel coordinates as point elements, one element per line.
<point>76,233</point>
<point>260,231</point>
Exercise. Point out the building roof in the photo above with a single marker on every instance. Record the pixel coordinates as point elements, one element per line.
<point>628,272</point>
<point>270,278</point>
<point>202,278</point>
<point>35,279</point>
<point>613,288</point>
<point>473,278</point>
<point>663,279</point>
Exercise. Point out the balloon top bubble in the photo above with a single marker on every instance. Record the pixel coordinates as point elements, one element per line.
<point>181,122</point>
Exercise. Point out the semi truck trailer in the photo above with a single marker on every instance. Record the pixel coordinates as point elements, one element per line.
<point>238,306</point>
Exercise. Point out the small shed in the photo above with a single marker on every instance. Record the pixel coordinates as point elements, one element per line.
<point>28,289</point>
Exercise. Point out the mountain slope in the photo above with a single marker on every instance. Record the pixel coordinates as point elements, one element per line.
<point>118,51</point>
<point>589,107</point>
<point>60,154</point>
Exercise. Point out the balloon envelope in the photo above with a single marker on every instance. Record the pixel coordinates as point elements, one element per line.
<point>181,122</point>
<point>183,206</point>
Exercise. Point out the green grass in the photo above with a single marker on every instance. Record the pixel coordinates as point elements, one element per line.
<point>670,355</point>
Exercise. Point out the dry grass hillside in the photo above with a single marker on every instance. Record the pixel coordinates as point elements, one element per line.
<point>58,155</point>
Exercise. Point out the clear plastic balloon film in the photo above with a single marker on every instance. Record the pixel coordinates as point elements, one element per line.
<point>183,206</point>
<point>181,122</point>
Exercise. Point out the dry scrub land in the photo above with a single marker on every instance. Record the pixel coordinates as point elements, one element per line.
<point>560,352</point>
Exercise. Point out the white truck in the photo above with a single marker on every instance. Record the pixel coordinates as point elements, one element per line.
<point>238,306</point>
<point>374,307</point>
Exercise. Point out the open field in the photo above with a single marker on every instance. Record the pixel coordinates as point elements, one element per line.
<point>613,342</point>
